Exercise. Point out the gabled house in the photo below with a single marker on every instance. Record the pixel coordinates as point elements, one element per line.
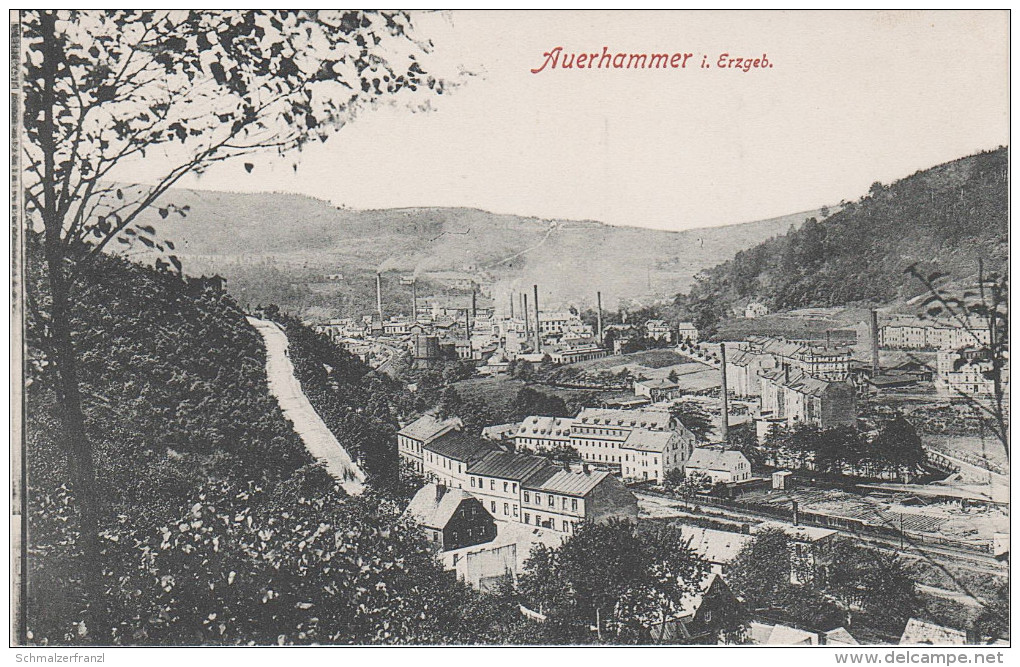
<point>705,617</point>
<point>661,389</point>
<point>451,518</point>
<point>719,465</point>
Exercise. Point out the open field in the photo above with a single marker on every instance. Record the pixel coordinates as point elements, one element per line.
<point>654,364</point>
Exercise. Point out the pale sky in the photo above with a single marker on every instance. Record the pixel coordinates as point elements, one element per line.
<point>851,98</point>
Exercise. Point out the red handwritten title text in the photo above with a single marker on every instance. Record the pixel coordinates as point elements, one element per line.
<point>557,58</point>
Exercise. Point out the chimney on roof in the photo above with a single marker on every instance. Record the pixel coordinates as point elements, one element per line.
<point>440,491</point>
<point>786,373</point>
<point>598,299</point>
<point>874,343</point>
<point>586,468</point>
<point>378,294</point>
<point>724,419</point>
<point>796,514</point>
<point>538,334</point>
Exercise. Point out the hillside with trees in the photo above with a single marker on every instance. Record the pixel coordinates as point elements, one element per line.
<point>216,525</point>
<point>941,219</point>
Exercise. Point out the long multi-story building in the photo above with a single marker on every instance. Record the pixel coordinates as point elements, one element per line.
<point>794,397</point>
<point>826,362</point>
<point>623,439</point>
<point>539,434</point>
<point>915,334</point>
<point>497,479</point>
<point>560,499</point>
<point>447,458</point>
<point>412,439</point>
<point>519,487</point>
<point>557,322</point>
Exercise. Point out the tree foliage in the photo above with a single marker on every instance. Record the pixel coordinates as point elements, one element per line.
<point>102,90</point>
<point>614,578</point>
<point>693,416</point>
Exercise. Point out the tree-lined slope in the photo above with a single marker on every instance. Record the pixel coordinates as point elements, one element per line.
<point>944,218</point>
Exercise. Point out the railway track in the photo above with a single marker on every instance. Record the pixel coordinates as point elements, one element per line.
<point>657,507</point>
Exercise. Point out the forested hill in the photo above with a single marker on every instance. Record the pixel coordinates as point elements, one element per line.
<point>216,526</point>
<point>944,218</point>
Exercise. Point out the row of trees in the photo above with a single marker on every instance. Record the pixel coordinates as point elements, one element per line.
<point>894,452</point>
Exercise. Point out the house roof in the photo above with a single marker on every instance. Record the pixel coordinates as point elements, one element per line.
<point>781,635</point>
<point>740,357</point>
<point>716,546</point>
<point>926,632</point>
<point>691,602</point>
<point>460,446</point>
<point>509,465</point>
<point>840,637</point>
<point>427,427</point>
<point>798,381</point>
<point>686,325</point>
<point>427,511</point>
<point>644,440</point>
<point>545,426</point>
<point>650,419</point>
<point>499,431</point>
<point>715,459</point>
<point>799,533</point>
<point>565,482</point>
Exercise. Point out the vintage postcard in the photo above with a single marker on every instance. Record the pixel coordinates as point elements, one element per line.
<point>480,328</point>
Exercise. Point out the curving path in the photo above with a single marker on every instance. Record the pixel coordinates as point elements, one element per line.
<point>284,385</point>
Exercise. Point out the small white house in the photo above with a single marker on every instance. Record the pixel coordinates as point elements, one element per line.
<point>719,465</point>
<point>687,330</point>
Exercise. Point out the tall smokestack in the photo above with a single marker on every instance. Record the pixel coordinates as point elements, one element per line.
<point>474,300</point>
<point>511,305</point>
<point>378,294</point>
<point>598,299</point>
<point>724,423</point>
<point>538,332</point>
<point>527,327</point>
<point>414,301</point>
<point>874,343</point>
